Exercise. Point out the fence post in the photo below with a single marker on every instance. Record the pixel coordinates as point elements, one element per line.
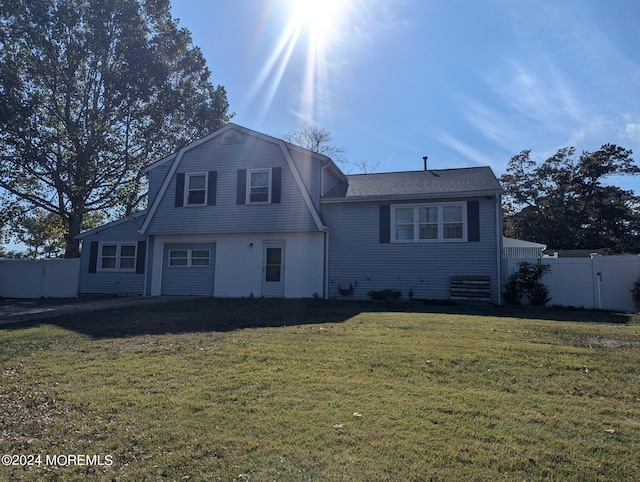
<point>597,280</point>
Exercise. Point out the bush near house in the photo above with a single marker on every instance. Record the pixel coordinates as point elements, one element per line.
<point>635,294</point>
<point>384,295</point>
<point>525,285</point>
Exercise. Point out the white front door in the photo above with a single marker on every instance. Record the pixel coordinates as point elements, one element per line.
<point>273,269</point>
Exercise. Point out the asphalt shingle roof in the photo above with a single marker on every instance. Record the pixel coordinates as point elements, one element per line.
<point>419,183</point>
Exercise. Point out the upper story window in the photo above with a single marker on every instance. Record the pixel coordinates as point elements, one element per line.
<point>259,186</point>
<point>117,257</point>
<point>196,189</point>
<point>428,222</point>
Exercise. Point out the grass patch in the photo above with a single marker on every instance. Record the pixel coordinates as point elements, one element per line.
<point>313,390</point>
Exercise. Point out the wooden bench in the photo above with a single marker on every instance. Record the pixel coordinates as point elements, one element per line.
<point>471,288</point>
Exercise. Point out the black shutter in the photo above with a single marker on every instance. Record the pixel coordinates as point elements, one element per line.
<point>473,221</point>
<point>211,188</point>
<point>93,257</point>
<point>276,184</point>
<point>385,223</point>
<point>179,190</point>
<point>241,193</point>
<point>141,255</point>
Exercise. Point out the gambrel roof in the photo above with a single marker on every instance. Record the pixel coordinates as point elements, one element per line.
<point>175,159</point>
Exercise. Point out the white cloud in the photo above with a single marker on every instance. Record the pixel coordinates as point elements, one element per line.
<point>632,132</point>
<point>488,121</point>
<point>536,90</point>
<point>464,150</point>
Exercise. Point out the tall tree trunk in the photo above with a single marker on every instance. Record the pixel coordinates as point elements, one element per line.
<point>72,249</point>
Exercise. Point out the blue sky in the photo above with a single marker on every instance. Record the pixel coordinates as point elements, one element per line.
<point>464,82</point>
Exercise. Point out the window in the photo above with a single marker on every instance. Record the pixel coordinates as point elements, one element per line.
<point>428,223</point>
<point>189,258</point>
<point>404,224</point>
<point>200,257</point>
<point>118,257</point>
<point>178,257</point>
<point>128,256</point>
<point>259,186</point>
<point>109,256</point>
<point>196,191</point>
<point>273,264</point>
<point>452,226</point>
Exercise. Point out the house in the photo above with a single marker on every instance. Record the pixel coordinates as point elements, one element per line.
<point>575,253</point>
<point>239,213</point>
<point>518,248</point>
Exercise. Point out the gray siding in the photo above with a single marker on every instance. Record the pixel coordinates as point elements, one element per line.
<point>309,169</point>
<point>150,243</point>
<point>156,178</point>
<point>329,181</point>
<point>105,282</point>
<point>188,280</point>
<point>357,256</point>
<point>290,215</point>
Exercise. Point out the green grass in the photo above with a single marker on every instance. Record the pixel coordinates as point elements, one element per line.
<point>312,390</point>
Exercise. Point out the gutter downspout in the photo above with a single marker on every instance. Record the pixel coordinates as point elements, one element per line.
<point>322,178</point>
<point>146,266</point>
<point>326,236</point>
<point>326,263</point>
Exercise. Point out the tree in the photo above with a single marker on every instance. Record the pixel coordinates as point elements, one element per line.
<point>316,139</point>
<point>564,202</point>
<point>42,232</point>
<point>320,140</point>
<point>92,91</point>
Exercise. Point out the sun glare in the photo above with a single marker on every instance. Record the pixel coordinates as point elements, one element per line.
<point>313,33</point>
<point>320,18</point>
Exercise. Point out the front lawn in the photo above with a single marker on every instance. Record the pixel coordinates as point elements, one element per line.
<point>266,390</point>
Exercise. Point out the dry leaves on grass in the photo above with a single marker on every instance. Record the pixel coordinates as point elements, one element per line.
<point>34,421</point>
<point>28,412</point>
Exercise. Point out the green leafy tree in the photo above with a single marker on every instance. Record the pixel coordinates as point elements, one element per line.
<point>92,91</point>
<point>42,232</point>
<point>565,203</point>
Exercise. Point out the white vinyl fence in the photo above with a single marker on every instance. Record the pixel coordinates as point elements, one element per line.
<point>48,278</point>
<point>600,282</point>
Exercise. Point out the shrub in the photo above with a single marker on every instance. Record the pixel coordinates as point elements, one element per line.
<point>539,295</point>
<point>384,295</point>
<point>526,284</point>
<point>635,294</point>
<point>511,294</point>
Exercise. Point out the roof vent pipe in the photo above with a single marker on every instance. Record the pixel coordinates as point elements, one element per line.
<point>425,162</point>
